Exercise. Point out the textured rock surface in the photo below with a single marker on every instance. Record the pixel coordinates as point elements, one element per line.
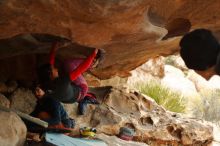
<point>151,70</point>
<point>130,31</point>
<point>153,125</point>
<point>12,130</point>
<point>176,80</point>
<point>4,101</point>
<point>23,100</point>
<point>9,87</point>
<point>172,72</point>
<point>3,87</point>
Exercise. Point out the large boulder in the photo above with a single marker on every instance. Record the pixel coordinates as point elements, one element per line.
<point>8,87</point>
<point>214,82</point>
<point>130,31</point>
<point>151,70</point>
<point>12,130</point>
<point>23,100</point>
<point>176,80</point>
<point>152,123</point>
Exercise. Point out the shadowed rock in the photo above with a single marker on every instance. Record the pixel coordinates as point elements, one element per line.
<point>130,31</point>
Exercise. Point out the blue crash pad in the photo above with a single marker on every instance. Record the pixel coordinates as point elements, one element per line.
<point>64,140</point>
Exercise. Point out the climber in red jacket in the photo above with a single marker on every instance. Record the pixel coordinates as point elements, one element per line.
<point>71,87</point>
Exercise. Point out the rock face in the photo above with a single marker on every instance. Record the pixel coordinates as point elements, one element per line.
<point>151,70</point>
<point>130,31</point>
<point>173,73</point>
<point>23,100</point>
<point>9,87</point>
<point>152,124</point>
<point>4,101</point>
<point>175,79</point>
<point>118,108</point>
<point>12,130</point>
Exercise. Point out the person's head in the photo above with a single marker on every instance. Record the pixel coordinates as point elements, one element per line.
<point>39,92</point>
<point>99,58</point>
<point>199,50</point>
<point>47,73</point>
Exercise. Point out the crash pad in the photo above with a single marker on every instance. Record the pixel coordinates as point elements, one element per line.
<point>64,140</point>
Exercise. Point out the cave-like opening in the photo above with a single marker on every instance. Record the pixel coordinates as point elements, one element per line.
<point>22,54</point>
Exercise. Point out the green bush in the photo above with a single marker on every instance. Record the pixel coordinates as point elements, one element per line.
<point>207,107</point>
<point>170,60</point>
<point>170,100</point>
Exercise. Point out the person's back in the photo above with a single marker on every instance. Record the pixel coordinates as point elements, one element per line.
<point>69,66</point>
<point>63,90</point>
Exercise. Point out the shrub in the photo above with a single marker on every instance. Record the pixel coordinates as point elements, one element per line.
<point>208,107</point>
<point>170,100</point>
<point>170,60</point>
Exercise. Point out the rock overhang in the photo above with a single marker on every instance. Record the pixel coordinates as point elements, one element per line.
<point>130,31</point>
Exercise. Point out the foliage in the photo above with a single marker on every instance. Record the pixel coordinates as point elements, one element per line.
<point>170,60</point>
<point>172,101</point>
<point>208,107</point>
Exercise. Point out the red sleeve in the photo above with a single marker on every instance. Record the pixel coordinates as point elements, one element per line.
<point>52,54</point>
<point>82,67</point>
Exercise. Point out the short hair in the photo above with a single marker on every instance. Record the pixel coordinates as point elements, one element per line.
<point>100,56</point>
<point>199,49</point>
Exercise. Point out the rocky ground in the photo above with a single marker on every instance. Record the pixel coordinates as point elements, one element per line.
<point>120,107</point>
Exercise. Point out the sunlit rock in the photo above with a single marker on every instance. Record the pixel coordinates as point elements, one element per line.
<point>214,82</point>
<point>176,80</point>
<point>152,123</point>
<point>12,130</point>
